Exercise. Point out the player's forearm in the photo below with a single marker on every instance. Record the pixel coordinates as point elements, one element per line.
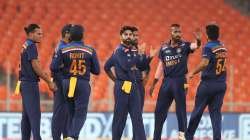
<point>159,70</point>
<point>38,70</point>
<point>195,45</point>
<point>199,68</point>
<point>198,42</point>
<point>110,75</point>
<point>198,35</point>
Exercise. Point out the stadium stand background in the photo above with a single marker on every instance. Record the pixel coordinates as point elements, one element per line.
<point>102,21</point>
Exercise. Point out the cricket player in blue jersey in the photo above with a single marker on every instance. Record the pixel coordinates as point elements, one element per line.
<point>60,112</point>
<point>77,61</point>
<point>173,58</point>
<point>212,88</point>
<point>140,75</point>
<point>30,71</point>
<point>126,61</point>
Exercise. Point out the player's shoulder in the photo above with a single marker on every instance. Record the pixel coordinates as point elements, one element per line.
<point>214,44</point>
<point>90,48</point>
<point>164,46</point>
<point>209,45</point>
<point>120,49</point>
<point>60,45</point>
<point>66,46</point>
<point>29,43</point>
<point>184,43</point>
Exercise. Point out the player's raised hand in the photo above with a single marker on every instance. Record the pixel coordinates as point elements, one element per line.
<point>153,51</point>
<point>197,33</point>
<point>52,86</point>
<point>142,48</point>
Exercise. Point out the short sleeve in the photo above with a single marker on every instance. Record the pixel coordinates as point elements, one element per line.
<point>56,62</point>
<point>32,52</point>
<point>160,54</point>
<point>206,53</point>
<point>109,63</point>
<point>95,66</point>
<point>188,47</point>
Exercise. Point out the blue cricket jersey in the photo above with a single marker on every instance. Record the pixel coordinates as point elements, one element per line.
<point>216,69</point>
<point>123,59</point>
<point>76,60</point>
<point>175,59</point>
<point>28,53</point>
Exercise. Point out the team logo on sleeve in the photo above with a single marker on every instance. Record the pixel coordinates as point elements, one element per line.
<point>167,51</point>
<point>178,50</point>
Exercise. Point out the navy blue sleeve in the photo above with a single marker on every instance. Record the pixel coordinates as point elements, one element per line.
<point>57,61</point>
<point>206,53</point>
<point>188,47</point>
<point>95,66</point>
<point>124,61</point>
<point>32,52</point>
<point>147,69</point>
<point>109,63</point>
<point>160,55</point>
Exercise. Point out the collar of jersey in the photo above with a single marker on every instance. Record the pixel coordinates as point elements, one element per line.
<point>213,43</point>
<point>29,41</point>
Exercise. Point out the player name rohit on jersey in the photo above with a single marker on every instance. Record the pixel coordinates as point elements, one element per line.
<point>76,55</point>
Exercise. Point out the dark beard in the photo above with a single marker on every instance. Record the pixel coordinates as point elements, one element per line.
<point>176,40</point>
<point>128,42</point>
<point>134,43</point>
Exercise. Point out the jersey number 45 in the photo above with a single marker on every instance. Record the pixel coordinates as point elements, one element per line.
<point>78,67</point>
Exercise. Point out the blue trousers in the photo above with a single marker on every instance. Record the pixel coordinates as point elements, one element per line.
<point>124,104</point>
<point>171,89</point>
<point>141,91</point>
<point>77,106</point>
<point>60,114</point>
<point>209,94</point>
<point>31,115</point>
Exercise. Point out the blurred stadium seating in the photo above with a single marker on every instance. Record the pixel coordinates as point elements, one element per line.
<point>103,20</point>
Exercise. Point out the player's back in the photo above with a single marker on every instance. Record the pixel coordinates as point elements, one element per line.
<point>216,69</point>
<point>79,60</point>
